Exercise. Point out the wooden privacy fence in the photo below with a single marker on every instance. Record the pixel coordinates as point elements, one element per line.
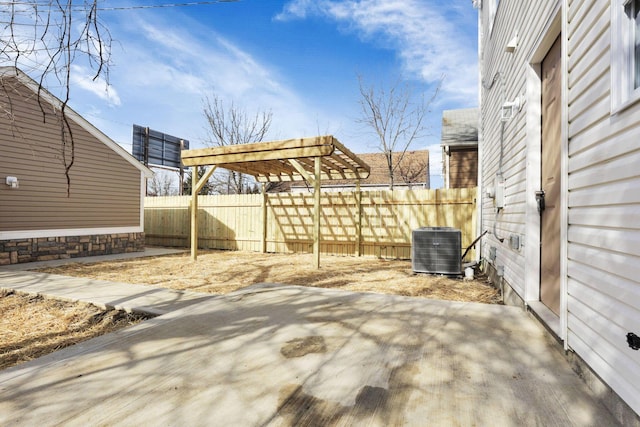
<point>382,228</point>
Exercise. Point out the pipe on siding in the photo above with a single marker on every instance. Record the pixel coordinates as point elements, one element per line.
<point>499,175</point>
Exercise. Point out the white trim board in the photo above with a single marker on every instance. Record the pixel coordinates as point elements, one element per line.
<point>67,232</point>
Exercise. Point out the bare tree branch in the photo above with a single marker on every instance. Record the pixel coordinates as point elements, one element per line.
<point>397,118</point>
<point>231,125</point>
<point>207,189</point>
<point>413,169</point>
<point>162,184</point>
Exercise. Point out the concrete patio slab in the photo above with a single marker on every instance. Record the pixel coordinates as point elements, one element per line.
<point>105,294</point>
<point>285,355</point>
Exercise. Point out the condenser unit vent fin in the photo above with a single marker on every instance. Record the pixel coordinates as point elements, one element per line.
<point>436,250</point>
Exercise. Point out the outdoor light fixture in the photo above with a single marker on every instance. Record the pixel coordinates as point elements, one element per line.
<point>513,44</point>
<point>12,182</point>
<point>509,109</point>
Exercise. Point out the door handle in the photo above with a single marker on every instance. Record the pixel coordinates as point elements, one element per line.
<point>540,201</point>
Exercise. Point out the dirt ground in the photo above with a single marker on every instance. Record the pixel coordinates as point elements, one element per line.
<point>221,272</point>
<point>33,326</point>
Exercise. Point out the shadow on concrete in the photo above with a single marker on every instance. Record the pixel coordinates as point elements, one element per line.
<point>288,355</point>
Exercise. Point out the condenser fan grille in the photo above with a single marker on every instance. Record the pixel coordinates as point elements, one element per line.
<point>436,250</point>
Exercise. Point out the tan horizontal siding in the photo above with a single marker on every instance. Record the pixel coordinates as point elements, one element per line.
<point>104,190</point>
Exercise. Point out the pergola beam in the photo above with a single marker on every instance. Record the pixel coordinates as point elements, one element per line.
<point>362,165</point>
<point>331,175</point>
<point>258,157</point>
<point>260,152</point>
<point>325,168</point>
<point>302,171</point>
<point>261,168</point>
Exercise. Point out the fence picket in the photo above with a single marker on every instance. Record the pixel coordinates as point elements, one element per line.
<point>388,217</point>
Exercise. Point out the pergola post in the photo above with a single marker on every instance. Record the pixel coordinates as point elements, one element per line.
<point>264,218</point>
<point>316,212</point>
<point>196,186</point>
<point>194,214</point>
<point>358,195</point>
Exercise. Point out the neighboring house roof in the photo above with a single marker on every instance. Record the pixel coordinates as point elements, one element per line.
<point>12,72</point>
<point>413,170</point>
<point>460,127</point>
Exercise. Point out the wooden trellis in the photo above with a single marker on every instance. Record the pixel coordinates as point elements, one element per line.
<point>310,159</point>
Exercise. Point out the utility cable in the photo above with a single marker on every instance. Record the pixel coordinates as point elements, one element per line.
<point>114,8</point>
<point>166,5</point>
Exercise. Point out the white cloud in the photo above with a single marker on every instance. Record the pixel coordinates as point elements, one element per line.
<point>430,37</point>
<point>195,62</point>
<point>435,164</point>
<point>163,72</point>
<point>84,79</point>
<point>298,9</point>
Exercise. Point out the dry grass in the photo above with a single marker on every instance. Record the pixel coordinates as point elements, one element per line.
<point>32,326</point>
<point>221,272</point>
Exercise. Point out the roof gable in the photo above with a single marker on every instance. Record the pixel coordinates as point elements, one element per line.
<point>460,127</point>
<point>14,73</point>
<point>413,170</point>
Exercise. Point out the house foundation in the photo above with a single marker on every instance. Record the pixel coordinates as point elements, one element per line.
<point>16,251</point>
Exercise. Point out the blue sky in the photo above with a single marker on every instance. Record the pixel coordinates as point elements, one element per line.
<point>298,58</point>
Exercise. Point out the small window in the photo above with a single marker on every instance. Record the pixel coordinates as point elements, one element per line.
<point>625,53</point>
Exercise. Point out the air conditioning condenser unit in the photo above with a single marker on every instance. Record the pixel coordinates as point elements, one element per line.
<point>436,250</point>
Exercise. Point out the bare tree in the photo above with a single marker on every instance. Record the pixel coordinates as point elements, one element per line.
<point>207,189</point>
<point>396,116</point>
<point>45,38</point>
<point>231,125</point>
<point>162,184</point>
<point>278,187</point>
<point>414,169</point>
<point>224,181</point>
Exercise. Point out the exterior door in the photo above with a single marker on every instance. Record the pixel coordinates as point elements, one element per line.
<point>551,141</point>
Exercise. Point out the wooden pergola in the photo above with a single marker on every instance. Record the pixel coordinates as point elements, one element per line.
<point>311,159</point>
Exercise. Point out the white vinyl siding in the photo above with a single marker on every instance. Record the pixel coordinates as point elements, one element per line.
<point>493,10</point>
<point>604,205</point>
<point>602,176</point>
<point>625,53</point>
<point>527,18</point>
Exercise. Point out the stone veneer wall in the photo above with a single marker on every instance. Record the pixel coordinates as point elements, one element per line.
<point>47,248</point>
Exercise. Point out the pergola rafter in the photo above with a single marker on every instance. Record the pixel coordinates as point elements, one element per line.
<point>312,159</point>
